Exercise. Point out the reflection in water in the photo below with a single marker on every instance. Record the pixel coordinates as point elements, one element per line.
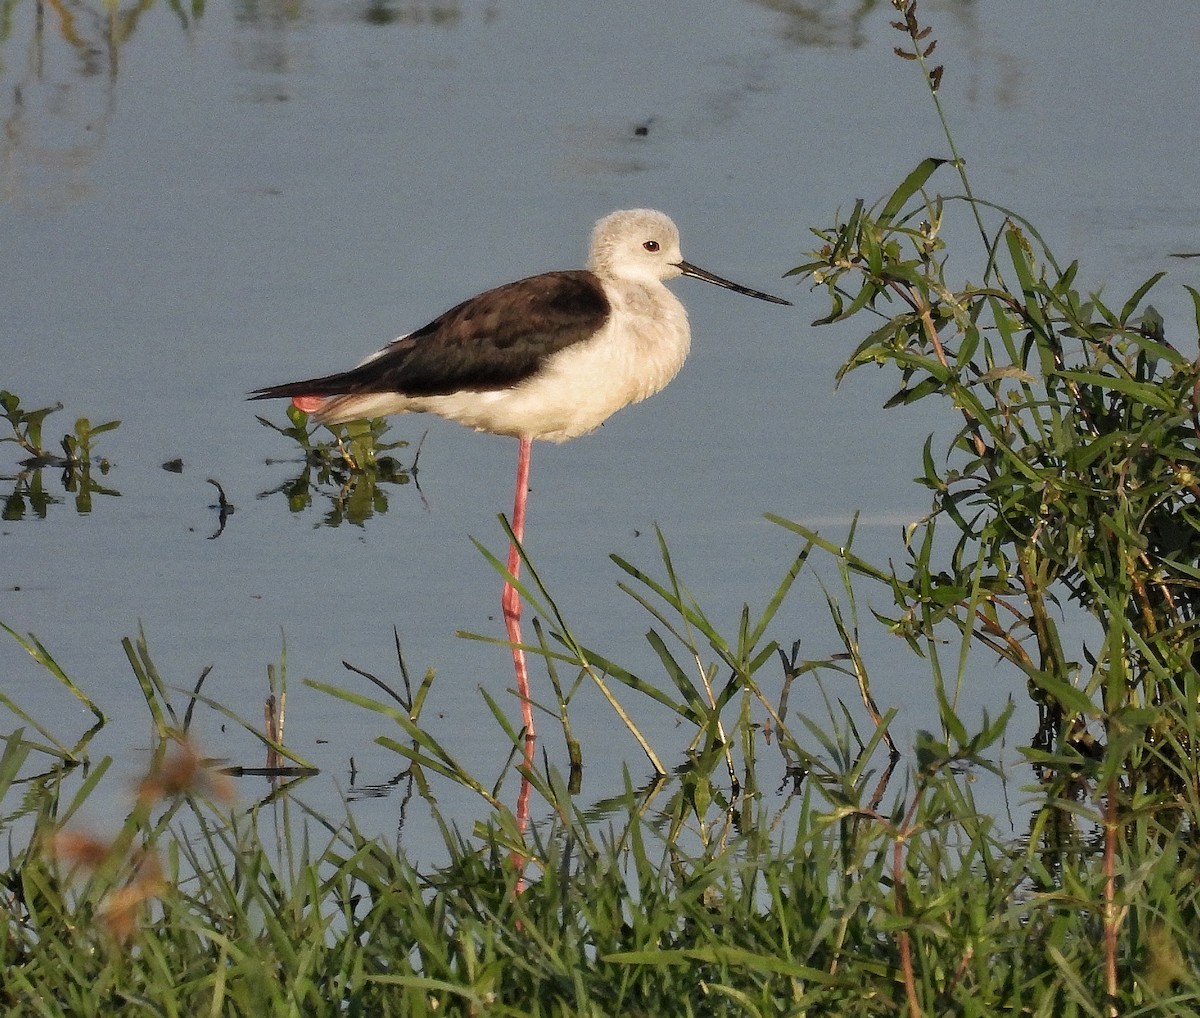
<point>224,508</point>
<point>825,23</point>
<point>993,75</point>
<point>840,23</point>
<point>60,61</point>
<point>61,97</point>
<point>384,12</point>
<point>266,43</point>
<point>270,43</point>
<point>350,473</point>
<point>29,492</point>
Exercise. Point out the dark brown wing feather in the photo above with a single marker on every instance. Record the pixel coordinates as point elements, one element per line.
<point>491,341</point>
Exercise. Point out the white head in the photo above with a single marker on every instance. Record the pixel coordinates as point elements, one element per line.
<point>635,244</point>
<point>643,245</point>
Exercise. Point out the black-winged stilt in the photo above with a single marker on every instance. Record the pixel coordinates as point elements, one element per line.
<point>549,357</point>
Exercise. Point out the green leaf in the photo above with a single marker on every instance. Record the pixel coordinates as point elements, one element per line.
<point>1071,699</point>
<point>1150,393</point>
<point>1133,302</point>
<point>908,187</point>
<point>1195,304</point>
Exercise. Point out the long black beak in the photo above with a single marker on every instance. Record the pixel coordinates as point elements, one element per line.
<point>688,269</point>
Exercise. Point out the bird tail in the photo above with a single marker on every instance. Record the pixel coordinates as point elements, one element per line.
<point>328,385</point>
<point>345,396</point>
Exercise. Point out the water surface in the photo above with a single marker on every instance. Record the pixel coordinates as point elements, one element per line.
<point>196,204</point>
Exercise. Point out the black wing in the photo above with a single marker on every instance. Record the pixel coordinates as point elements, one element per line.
<point>491,341</point>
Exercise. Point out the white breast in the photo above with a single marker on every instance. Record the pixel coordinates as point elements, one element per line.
<point>640,349</point>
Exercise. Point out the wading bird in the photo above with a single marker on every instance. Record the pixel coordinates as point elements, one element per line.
<point>549,357</point>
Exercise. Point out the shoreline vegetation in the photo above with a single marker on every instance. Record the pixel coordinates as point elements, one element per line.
<point>787,863</point>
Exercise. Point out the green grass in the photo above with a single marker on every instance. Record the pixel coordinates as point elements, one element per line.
<point>681,900</point>
<point>824,870</point>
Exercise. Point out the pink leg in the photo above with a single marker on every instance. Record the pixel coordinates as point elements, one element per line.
<point>522,814</point>
<point>511,600</point>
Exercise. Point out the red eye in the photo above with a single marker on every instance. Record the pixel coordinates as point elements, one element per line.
<point>651,245</point>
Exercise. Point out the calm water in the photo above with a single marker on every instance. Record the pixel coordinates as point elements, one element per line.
<point>197,205</point>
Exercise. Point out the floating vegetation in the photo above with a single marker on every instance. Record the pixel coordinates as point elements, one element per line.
<point>77,462</point>
<point>350,472</point>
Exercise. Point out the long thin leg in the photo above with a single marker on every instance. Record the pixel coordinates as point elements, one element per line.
<point>511,600</point>
<point>511,603</point>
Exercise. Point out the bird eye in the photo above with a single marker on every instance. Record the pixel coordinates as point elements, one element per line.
<point>651,246</point>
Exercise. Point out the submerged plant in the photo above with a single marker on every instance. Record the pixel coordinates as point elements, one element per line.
<point>352,468</point>
<point>77,461</point>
